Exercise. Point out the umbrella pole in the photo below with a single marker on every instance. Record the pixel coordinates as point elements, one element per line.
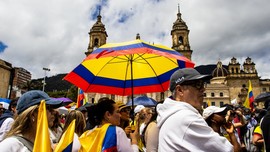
<point>132,100</point>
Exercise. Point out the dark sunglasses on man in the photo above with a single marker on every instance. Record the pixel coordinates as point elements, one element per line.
<point>196,84</point>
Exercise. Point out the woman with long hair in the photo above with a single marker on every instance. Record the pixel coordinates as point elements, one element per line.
<point>150,132</point>
<point>106,135</point>
<point>21,136</point>
<point>80,125</point>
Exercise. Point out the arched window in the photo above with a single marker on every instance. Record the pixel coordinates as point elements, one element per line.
<point>96,42</point>
<point>232,70</point>
<point>180,40</point>
<point>162,96</point>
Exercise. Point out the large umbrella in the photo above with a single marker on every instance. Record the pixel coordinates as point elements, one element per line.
<point>65,100</point>
<point>263,97</point>
<point>143,100</point>
<point>128,68</point>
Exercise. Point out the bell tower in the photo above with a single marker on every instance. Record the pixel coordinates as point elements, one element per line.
<point>97,35</point>
<point>180,40</point>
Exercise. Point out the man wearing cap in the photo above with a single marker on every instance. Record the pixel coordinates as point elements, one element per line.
<point>182,127</point>
<point>215,117</point>
<point>125,117</point>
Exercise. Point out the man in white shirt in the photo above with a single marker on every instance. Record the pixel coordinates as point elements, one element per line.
<point>182,128</point>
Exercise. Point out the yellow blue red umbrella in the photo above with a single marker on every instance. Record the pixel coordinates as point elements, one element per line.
<point>128,68</point>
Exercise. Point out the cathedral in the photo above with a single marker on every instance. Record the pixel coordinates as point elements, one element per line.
<point>228,83</point>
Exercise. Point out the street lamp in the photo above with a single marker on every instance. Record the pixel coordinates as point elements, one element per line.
<point>44,83</point>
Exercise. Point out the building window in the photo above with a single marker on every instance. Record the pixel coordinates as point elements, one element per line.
<point>180,40</point>
<point>213,103</point>
<point>264,89</point>
<point>221,94</point>
<point>204,94</point>
<point>221,103</point>
<point>232,70</point>
<point>162,96</point>
<point>96,42</point>
<point>212,94</point>
<point>113,97</point>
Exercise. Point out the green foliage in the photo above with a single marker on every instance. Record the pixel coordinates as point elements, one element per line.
<point>72,93</point>
<point>57,94</point>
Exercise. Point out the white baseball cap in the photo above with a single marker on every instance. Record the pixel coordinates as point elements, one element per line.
<point>207,112</point>
<point>138,108</point>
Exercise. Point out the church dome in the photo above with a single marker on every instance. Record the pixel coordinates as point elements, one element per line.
<point>220,71</point>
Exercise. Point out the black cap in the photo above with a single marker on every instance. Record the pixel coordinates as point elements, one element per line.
<point>186,74</point>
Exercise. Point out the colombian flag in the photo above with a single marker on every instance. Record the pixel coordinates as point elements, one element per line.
<point>42,141</point>
<point>99,140</point>
<point>66,141</point>
<point>80,98</point>
<point>250,98</point>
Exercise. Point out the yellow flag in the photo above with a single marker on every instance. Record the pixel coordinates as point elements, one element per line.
<point>66,141</point>
<point>208,102</point>
<point>42,140</point>
<point>92,142</point>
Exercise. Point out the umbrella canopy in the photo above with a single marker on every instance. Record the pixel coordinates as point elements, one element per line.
<point>143,100</point>
<point>65,100</point>
<point>128,68</point>
<point>263,97</point>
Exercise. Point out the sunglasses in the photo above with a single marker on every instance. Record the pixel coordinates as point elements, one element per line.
<point>125,110</point>
<point>196,84</point>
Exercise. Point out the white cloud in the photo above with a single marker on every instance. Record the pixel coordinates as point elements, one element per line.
<point>54,33</point>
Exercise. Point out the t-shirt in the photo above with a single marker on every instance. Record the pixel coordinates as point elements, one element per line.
<point>12,144</point>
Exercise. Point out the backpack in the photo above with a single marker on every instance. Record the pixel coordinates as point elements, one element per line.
<point>248,140</point>
<point>29,145</point>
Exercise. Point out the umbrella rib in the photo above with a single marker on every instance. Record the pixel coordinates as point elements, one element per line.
<point>141,56</point>
<point>101,70</point>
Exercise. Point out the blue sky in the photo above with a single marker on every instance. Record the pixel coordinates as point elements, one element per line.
<point>3,46</point>
<point>54,33</point>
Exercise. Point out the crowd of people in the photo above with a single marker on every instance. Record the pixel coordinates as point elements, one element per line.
<point>179,123</point>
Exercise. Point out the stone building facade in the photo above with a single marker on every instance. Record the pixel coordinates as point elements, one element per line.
<point>232,83</point>
<point>5,77</point>
<point>12,79</point>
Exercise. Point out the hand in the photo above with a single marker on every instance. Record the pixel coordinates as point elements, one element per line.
<point>134,137</point>
<point>239,113</point>
<point>229,127</point>
<point>128,130</point>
